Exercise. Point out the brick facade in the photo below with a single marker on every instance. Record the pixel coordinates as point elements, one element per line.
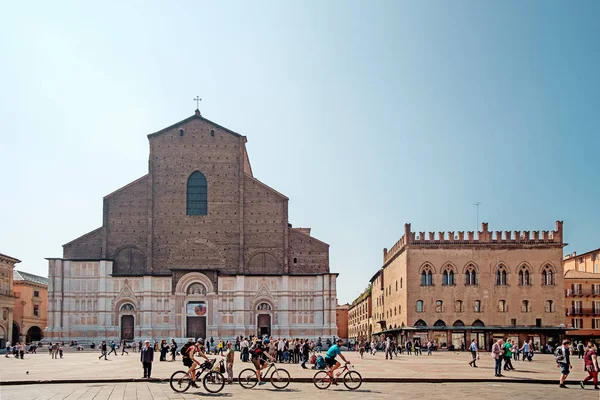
<point>147,231</point>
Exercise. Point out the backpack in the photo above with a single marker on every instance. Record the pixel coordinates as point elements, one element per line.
<point>320,363</point>
<point>559,355</point>
<point>184,350</point>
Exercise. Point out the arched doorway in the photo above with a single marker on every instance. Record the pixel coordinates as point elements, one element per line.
<point>16,332</point>
<point>34,334</point>
<point>127,326</point>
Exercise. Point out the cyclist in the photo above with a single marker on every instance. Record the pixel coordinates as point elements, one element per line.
<point>187,353</point>
<point>259,353</point>
<point>330,360</point>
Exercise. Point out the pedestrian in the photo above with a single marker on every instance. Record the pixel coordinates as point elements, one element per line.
<point>563,361</point>
<point>60,351</point>
<point>22,350</point>
<point>497,355</point>
<point>429,347</point>
<point>244,350</point>
<point>590,364</point>
<point>54,350</point>
<point>164,349</point>
<point>474,353</point>
<point>113,348</point>
<point>388,348</point>
<point>525,351</point>
<point>140,345</point>
<point>418,348</point>
<point>409,347</point>
<point>507,356</point>
<point>580,350</point>
<point>146,357</point>
<point>173,349</point>
<point>229,362</point>
<point>305,348</point>
<point>123,346</point>
<point>103,350</point>
<point>515,351</point>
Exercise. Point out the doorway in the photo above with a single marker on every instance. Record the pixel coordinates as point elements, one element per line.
<point>264,325</point>
<point>127,325</point>
<point>15,333</point>
<point>196,327</point>
<point>34,334</point>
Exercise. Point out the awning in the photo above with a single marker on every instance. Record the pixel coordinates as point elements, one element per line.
<point>479,328</point>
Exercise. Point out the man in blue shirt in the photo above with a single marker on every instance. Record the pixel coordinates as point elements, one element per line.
<point>330,360</point>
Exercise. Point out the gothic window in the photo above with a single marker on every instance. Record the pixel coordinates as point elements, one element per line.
<point>263,306</point>
<point>525,306</point>
<point>502,306</point>
<point>548,276</point>
<point>471,275</point>
<point>419,305</point>
<point>197,194</point>
<point>426,276</point>
<point>501,275</point>
<point>448,277</point>
<point>196,288</point>
<point>524,276</point>
<point>439,306</point>
<point>127,307</point>
<point>549,306</point>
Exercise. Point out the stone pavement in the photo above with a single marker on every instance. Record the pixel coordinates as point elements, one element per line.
<point>441,365</point>
<point>395,391</point>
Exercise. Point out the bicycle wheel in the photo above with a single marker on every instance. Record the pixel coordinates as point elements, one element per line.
<point>352,380</point>
<point>280,378</point>
<point>247,378</point>
<point>322,380</point>
<point>213,382</point>
<point>180,381</point>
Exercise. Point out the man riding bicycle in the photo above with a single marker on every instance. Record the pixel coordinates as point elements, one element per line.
<point>190,361</point>
<point>259,353</point>
<point>330,360</point>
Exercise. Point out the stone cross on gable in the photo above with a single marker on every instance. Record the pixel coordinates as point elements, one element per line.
<point>197,100</point>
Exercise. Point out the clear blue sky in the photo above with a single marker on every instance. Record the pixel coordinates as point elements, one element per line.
<point>366,115</point>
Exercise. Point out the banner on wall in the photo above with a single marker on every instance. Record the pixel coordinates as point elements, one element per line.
<point>196,309</point>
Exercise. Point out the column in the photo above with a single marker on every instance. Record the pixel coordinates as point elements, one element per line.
<point>284,307</point>
<point>239,305</point>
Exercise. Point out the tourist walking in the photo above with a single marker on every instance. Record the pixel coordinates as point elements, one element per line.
<point>497,355</point>
<point>244,350</point>
<point>60,351</point>
<point>474,353</point>
<point>409,347</point>
<point>164,349</point>
<point>590,365</point>
<point>388,348</point>
<point>418,348</point>
<point>54,352</point>
<point>113,348</point>
<point>563,361</point>
<point>7,349</point>
<point>146,357</point>
<point>103,350</point>
<point>507,356</point>
<point>229,363</point>
<point>515,351</point>
<point>123,346</point>
<point>429,347</point>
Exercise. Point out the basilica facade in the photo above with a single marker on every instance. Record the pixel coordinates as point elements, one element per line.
<point>198,247</point>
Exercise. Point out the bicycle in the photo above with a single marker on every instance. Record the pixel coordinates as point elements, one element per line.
<point>213,380</point>
<point>279,378</point>
<point>352,379</point>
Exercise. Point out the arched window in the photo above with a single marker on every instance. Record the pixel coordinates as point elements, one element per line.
<point>548,276</point>
<point>439,306</point>
<point>501,275</point>
<point>458,306</point>
<point>197,194</point>
<point>524,276</point>
<point>502,306</point>
<point>419,305</point>
<point>471,275</point>
<point>420,323</point>
<point>448,276</point>
<point>477,306</point>
<point>426,276</point>
<point>525,306</point>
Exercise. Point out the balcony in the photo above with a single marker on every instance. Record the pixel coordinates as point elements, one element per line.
<point>582,292</point>
<point>7,293</point>
<point>575,311</point>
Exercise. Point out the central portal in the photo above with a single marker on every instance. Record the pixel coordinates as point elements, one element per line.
<point>264,325</point>
<point>196,313</point>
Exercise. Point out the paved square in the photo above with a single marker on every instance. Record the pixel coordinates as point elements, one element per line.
<point>443,364</point>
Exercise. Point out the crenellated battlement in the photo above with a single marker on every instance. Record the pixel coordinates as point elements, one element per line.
<point>484,237</point>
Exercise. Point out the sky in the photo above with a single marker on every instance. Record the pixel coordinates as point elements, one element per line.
<point>367,115</point>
